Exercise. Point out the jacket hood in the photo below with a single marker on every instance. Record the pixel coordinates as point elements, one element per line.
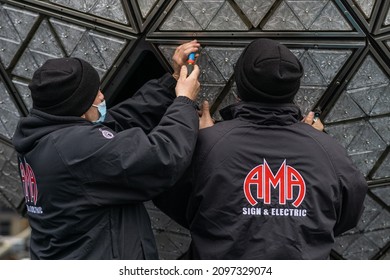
<point>37,125</point>
<point>263,113</point>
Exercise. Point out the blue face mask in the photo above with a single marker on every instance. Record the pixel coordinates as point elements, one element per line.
<point>102,111</point>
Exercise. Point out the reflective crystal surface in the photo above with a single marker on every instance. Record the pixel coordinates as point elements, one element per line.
<point>180,19</point>
<point>14,27</point>
<point>145,6</point>
<point>307,15</point>
<point>203,11</point>
<point>227,19</point>
<point>387,20</point>
<point>366,6</point>
<point>9,115</point>
<point>255,10</point>
<point>108,9</point>
<point>10,189</point>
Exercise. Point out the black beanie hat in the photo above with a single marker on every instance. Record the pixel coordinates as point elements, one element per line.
<point>267,72</point>
<point>64,87</point>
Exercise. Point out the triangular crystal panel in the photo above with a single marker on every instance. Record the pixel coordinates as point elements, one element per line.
<point>108,47</point>
<point>366,6</point>
<point>312,76</point>
<point>209,73</point>
<point>383,170</point>
<point>69,34</point>
<point>255,10</point>
<point>45,44</point>
<point>180,18</point>
<point>146,6</point>
<point>110,9</point>
<point>307,11</point>
<point>331,19</point>
<point>225,59</point>
<point>344,109</point>
<point>203,11</point>
<point>307,96</point>
<point>346,132</point>
<point>367,97</point>
<point>369,74</point>
<point>22,20</point>
<point>382,127</point>
<point>329,62</point>
<point>87,50</point>
<point>283,19</point>
<point>227,19</point>
<point>80,5</point>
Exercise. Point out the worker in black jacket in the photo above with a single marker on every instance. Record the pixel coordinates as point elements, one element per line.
<point>263,184</point>
<point>86,171</point>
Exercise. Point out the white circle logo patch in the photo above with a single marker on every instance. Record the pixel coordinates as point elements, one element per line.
<point>107,134</point>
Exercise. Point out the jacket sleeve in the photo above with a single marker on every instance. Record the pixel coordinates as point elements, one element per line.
<point>174,201</point>
<point>134,166</point>
<point>182,202</point>
<point>145,108</point>
<point>353,188</point>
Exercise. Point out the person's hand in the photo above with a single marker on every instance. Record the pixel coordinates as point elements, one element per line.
<point>316,123</point>
<point>180,56</point>
<point>205,119</point>
<point>188,86</point>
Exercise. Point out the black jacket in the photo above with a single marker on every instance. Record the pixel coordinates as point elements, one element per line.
<point>264,185</point>
<point>85,184</point>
